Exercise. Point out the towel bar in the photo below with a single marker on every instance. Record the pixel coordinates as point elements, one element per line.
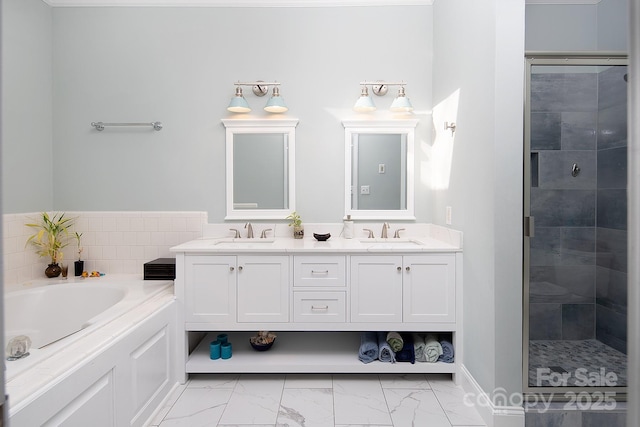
<point>100,125</point>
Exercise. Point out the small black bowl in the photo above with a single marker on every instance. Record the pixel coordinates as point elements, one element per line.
<point>322,237</point>
<point>261,347</point>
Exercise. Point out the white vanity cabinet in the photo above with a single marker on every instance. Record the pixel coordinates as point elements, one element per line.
<point>376,288</point>
<point>410,288</point>
<point>263,288</point>
<point>225,289</point>
<point>318,298</point>
<point>210,293</point>
<point>429,288</point>
<point>319,289</point>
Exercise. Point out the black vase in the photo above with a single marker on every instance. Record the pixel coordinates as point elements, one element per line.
<point>78,267</point>
<point>53,270</point>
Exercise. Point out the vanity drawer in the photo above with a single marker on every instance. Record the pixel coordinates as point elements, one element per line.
<point>319,307</point>
<point>319,271</point>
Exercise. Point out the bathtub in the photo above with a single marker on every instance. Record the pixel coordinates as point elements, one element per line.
<point>49,313</point>
<point>72,324</point>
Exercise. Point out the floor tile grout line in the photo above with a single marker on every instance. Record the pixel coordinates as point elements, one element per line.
<point>394,384</point>
<point>435,394</point>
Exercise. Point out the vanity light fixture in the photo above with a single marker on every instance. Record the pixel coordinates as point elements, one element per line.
<point>275,104</point>
<point>401,103</point>
<point>365,104</point>
<point>238,104</point>
<point>260,88</point>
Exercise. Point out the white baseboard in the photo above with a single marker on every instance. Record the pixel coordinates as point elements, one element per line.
<point>493,415</point>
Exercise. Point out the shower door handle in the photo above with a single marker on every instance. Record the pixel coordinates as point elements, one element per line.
<point>529,226</point>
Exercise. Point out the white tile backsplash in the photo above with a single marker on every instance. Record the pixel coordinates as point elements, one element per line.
<point>113,242</point>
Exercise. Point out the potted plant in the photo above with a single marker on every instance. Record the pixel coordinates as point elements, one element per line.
<point>78,266</point>
<point>50,239</point>
<point>296,222</point>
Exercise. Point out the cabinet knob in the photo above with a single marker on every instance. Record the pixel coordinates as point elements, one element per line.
<point>408,269</point>
<point>231,268</point>
<point>399,268</point>
<point>240,268</point>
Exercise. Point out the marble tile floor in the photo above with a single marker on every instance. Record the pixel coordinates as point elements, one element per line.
<point>317,400</point>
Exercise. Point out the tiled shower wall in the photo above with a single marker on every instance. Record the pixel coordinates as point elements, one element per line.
<point>611,231</point>
<point>113,242</point>
<point>563,259</point>
<point>578,255</point>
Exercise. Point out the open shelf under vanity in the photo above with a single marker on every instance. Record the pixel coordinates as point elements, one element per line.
<point>300,352</point>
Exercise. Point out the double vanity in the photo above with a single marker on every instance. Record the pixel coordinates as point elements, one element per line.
<point>316,296</point>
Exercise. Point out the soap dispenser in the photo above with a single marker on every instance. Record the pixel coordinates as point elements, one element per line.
<point>347,229</point>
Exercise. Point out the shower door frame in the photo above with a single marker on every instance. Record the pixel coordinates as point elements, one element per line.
<point>551,59</point>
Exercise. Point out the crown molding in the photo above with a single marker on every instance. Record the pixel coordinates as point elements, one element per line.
<point>234,3</point>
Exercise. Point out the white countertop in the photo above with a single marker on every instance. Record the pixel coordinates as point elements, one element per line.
<point>419,239</point>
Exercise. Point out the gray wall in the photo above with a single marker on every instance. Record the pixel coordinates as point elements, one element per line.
<point>27,150</point>
<point>577,27</point>
<point>177,65</point>
<point>485,63</point>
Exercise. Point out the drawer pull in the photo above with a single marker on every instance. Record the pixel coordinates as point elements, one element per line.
<point>324,307</point>
<point>320,272</point>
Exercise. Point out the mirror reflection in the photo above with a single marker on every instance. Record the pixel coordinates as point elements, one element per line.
<point>379,168</point>
<point>260,171</point>
<point>379,172</point>
<point>260,168</point>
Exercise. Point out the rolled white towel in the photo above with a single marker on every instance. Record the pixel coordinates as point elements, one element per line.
<point>433,349</point>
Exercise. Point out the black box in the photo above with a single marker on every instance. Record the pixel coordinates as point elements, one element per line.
<point>160,269</point>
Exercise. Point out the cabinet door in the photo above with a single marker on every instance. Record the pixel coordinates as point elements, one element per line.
<point>210,294</point>
<point>263,288</point>
<point>376,288</point>
<point>429,288</point>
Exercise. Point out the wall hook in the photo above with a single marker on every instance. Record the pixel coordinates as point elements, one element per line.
<point>451,126</point>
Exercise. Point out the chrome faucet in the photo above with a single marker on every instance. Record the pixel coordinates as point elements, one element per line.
<point>385,228</point>
<point>249,228</point>
<point>264,233</point>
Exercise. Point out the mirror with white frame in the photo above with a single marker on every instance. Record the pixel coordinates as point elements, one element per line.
<point>379,169</point>
<point>260,169</point>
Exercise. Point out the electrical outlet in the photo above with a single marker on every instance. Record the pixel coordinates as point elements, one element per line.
<point>364,189</point>
<point>447,216</point>
<point>381,168</point>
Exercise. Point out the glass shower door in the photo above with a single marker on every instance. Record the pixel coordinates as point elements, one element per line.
<point>575,252</point>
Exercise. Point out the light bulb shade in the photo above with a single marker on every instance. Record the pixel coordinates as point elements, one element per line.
<point>364,104</point>
<point>238,104</point>
<point>401,103</point>
<point>276,103</point>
